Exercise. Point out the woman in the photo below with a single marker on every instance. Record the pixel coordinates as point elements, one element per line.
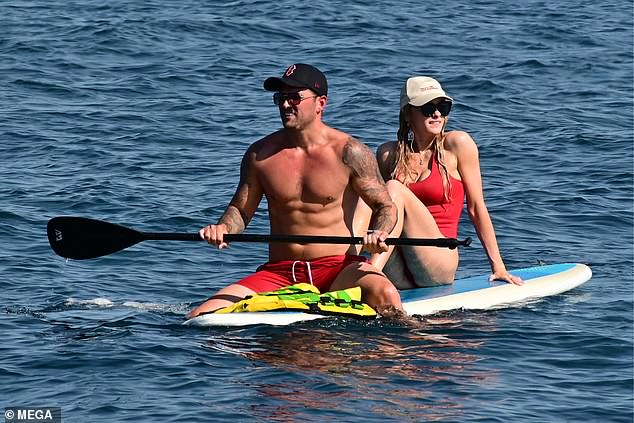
<point>429,173</point>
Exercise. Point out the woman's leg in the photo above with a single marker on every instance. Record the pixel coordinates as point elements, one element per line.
<point>361,221</point>
<point>393,187</point>
<point>396,271</point>
<point>223,298</point>
<point>427,265</point>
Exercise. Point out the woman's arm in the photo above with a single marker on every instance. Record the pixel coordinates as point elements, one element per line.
<point>468,163</point>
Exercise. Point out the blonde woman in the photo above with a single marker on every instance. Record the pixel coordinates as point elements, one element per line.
<point>429,173</point>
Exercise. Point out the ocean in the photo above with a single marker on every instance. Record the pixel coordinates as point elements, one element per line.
<point>138,113</point>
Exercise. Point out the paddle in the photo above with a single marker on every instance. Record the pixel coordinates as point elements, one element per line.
<point>81,238</point>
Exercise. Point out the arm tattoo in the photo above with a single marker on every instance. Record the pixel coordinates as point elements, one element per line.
<point>244,202</point>
<point>369,184</point>
<point>233,219</point>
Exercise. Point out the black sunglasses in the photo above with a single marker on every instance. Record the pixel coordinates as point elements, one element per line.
<point>293,98</point>
<point>443,106</point>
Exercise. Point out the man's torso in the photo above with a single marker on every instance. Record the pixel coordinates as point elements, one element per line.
<point>308,193</point>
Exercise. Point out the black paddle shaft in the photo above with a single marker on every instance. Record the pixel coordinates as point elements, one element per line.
<point>81,238</point>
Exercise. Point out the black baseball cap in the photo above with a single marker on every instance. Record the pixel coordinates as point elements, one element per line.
<point>299,75</point>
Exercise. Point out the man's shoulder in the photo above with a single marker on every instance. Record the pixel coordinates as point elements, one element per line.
<point>272,137</point>
<point>266,141</point>
<point>338,136</point>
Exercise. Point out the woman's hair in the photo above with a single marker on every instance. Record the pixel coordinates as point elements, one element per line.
<point>401,170</point>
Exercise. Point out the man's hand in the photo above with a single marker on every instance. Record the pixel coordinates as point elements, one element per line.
<point>374,241</point>
<point>214,234</point>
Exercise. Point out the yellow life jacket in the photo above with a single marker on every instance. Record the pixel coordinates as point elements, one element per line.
<point>306,298</point>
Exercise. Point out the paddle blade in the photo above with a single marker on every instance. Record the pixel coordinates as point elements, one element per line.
<point>80,238</point>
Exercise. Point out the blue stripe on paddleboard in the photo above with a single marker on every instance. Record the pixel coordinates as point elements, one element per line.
<point>480,282</point>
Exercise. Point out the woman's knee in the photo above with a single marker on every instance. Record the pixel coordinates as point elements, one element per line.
<point>395,188</point>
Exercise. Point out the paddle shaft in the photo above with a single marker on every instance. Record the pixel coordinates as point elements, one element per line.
<point>308,239</point>
<point>82,238</point>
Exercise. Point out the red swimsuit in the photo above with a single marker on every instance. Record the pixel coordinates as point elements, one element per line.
<point>430,192</point>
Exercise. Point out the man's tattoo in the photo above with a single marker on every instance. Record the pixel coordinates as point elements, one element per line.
<point>234,216</point>
<point>384,218</point>
<point>233,220</point>
<point>369,184</point>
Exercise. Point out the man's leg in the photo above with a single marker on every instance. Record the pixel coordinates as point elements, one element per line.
<point>377,291</point>
<point>223,298</point>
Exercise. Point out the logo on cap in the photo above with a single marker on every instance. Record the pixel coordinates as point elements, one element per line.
<point>290,70</point>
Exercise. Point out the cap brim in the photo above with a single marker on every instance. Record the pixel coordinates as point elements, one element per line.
<point>422,100</point>
<point>275,84</point>
<point>426,99</point>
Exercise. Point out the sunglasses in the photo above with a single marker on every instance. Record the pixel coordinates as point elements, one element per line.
<point>293,98</point>
<point>443,106</point>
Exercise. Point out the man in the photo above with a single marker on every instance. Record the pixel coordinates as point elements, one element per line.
<point>312,176</point>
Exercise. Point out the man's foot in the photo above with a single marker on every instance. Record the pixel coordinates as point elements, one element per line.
<point>398,315</point>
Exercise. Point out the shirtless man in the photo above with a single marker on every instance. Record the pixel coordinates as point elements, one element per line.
<point>312,176</point>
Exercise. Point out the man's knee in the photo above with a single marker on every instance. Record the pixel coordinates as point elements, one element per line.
<point>387,291</point>
<point>381,291</point>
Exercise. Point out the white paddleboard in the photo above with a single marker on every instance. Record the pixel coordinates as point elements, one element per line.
<point>474,293</point>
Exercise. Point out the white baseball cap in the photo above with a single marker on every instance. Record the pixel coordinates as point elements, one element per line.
<point>419,90</point>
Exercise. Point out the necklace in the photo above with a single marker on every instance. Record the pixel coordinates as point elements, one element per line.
<point>420,169</point>
<point>422,156</point>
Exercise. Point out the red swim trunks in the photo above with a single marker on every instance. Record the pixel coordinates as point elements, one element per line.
<point>320,272</point>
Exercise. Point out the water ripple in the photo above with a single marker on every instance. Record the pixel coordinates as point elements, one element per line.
<point>138,112</point>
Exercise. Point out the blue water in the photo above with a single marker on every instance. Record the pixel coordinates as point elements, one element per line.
<point>137,112</point>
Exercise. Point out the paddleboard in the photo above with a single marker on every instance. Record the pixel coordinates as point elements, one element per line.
<point>472,293</point>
